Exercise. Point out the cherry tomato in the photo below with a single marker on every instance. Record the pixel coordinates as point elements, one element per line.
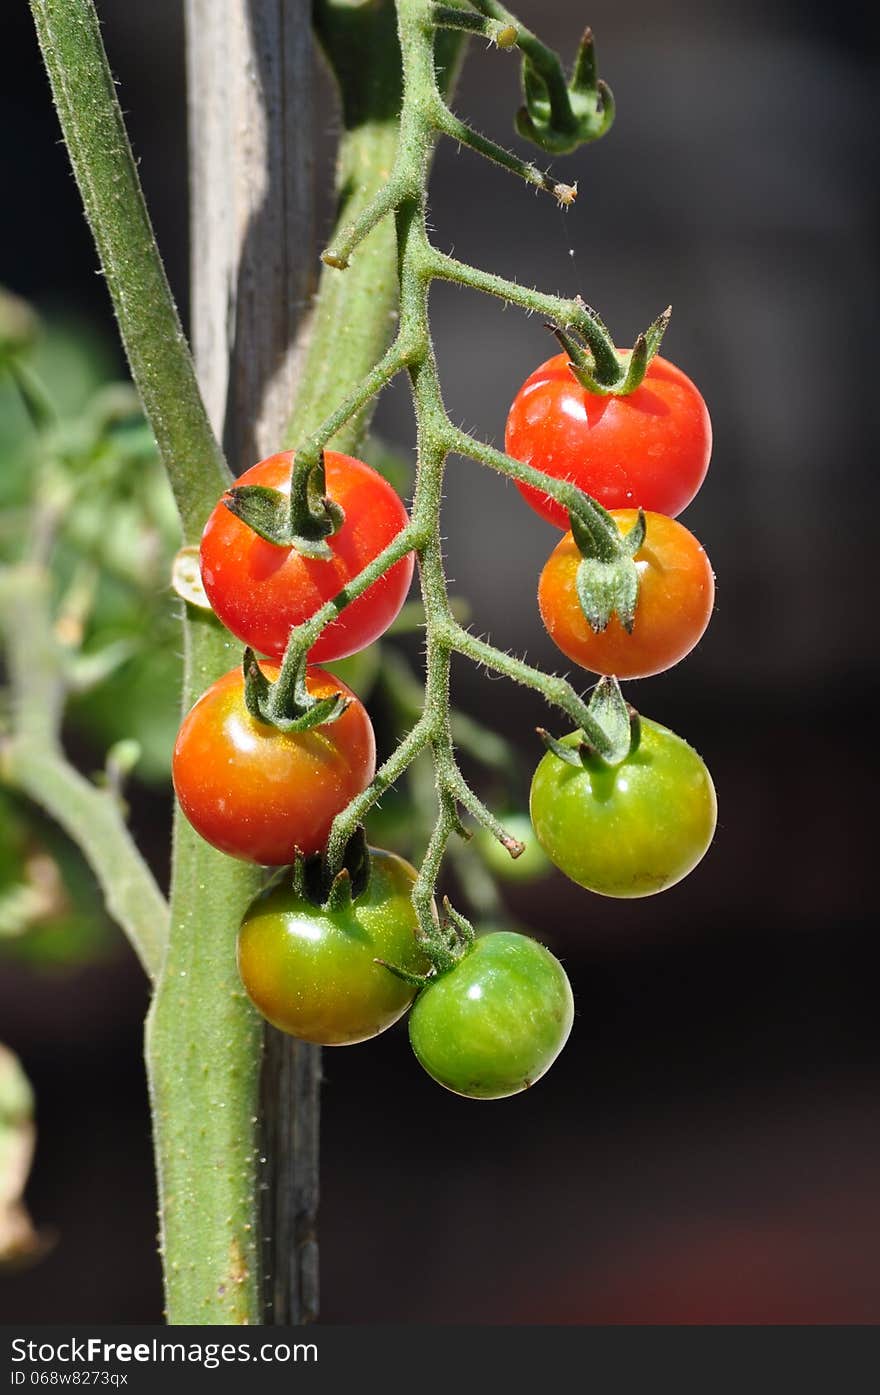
<point>649,449</point>
<point>628,830</point>
<point>492,1025</point>
<point>261,591</point>
<point>676,594</point>
<point>312,972</point>
<point>258,793</point>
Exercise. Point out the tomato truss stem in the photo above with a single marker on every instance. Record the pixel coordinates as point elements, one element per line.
<point>424,116</point>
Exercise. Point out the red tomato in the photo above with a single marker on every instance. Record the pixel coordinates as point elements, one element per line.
<point>260,591</point>
<point>649,449</point>
<point>258,793</point>
<point>676,595</point>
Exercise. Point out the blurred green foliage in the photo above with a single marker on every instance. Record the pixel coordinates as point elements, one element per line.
<point>82,493</point>
<point>19,1242</point>
<point>89,473</point>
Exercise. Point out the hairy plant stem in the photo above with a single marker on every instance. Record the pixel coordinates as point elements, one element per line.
<point>203,1055</point>
<point>419,262</point>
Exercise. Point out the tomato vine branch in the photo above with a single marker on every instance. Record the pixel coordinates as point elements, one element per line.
<point>424,116</point>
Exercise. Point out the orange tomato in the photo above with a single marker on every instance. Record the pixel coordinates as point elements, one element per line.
<point>676,595</point>
<point>261,794</point>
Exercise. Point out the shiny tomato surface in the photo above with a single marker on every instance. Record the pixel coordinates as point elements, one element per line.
<point>261,794</point>
<point>649,449</point>
<point>260,591</point>
<point>311,971</point>
<point>632,829</point>
<point>494,1023</point>
<point>676,595</point>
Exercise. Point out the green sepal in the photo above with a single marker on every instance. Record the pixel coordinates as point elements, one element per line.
<point>655,332</point>
<point>417,980</point>
<point>631,367</point>
<point>458,930</point>
<point>611,733</point>
<point>288,707</point>
<point>595,532</point>
<point>634,540</point>
<point>607,579</point>
<point>357,866</point>
<point>340,896</point>
<point>611,721</point>
<point>265,511</point>
<point>605,589</point>
<point>572,114</point>
<point>303,520</point>
<point>572,755</point>
<point>445,946</point>
<point>257,688</point>
<point>584,74</point>
<point>299,878</point>
<point>582,360</point>
<point>312,882</point>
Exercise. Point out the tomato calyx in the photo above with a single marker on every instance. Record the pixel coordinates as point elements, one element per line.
<point>557,115</point>
<point>287,703</point>
<point>632,364</point>
<point>613,733</point>
<point>335,892</point>
<point>303,520</point>
<point>445,947</point>
<point>607,580</point>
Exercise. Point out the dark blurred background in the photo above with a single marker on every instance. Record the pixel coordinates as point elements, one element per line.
<point>707,1148</point>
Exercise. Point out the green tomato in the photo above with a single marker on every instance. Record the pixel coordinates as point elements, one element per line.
<point>631,829</point>
<point>311,971</point>
<point>528,867</point>
<point>495,1022</point>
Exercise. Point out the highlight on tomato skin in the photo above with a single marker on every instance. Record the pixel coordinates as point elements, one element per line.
<point>674,607</point>
<point>260,591</point>
<point>628,830</point>
<point>258,793</point>
<point>493,1025</point>
<point>311,971</point>
<point>649,449</point>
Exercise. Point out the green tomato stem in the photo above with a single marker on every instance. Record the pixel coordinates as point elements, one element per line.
<point>448,124</point>
<point>424,115</point>
<point>203,1064</point>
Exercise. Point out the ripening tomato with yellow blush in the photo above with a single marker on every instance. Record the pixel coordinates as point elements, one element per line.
<point>675,599</point>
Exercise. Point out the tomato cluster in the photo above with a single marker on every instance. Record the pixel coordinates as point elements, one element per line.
<point>337,964</point>
<point>640,826</point>
<point>266,759</point>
